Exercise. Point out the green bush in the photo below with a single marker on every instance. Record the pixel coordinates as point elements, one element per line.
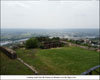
<point>42,46</point>
<point>32,43</point>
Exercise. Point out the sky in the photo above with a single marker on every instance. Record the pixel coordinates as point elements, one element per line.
<point>46,14</point>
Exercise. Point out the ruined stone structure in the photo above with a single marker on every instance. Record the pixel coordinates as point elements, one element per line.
<point>48,45</point>
<point>9,52</point>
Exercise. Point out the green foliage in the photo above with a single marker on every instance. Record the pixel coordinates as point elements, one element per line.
<point>12,67</point>
<point>62,61</point>
<point>56,38</point>
<point>32,43</point>
<point>43,38</point>
<point>42,46</point>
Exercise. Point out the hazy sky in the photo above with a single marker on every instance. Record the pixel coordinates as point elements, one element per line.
<point>50,14</point>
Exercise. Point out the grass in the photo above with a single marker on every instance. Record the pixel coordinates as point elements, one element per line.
<point>60,61</point>
<point>12,67</point>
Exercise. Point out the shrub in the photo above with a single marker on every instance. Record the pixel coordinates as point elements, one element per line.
<point>31,43</point>
<point>42,46</point>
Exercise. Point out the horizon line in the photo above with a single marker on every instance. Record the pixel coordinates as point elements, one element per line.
<point>50,28</point>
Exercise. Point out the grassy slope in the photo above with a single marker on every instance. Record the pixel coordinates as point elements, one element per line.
<point>66,60</point>
<point>12,67</point>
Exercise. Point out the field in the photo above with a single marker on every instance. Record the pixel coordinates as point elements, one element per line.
<point>12,67</point>
<point>60,61</point>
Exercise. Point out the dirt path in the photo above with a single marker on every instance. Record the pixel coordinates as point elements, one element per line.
<point>30,67</point>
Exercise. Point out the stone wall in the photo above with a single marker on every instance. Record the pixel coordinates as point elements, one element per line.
<point>9,52</point>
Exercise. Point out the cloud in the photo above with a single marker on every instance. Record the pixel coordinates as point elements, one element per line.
<point>50,14</point>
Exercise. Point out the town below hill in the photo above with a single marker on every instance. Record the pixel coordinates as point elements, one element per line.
<point>48,42</point>
<point>51,52</point>
<point>45,55</point>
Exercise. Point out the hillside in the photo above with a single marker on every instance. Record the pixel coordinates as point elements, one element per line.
<point>12,67</point>
<point>64,61</point>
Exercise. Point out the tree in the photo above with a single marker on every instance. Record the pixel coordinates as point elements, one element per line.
<point>56,38</point>
<point>31,43</point>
